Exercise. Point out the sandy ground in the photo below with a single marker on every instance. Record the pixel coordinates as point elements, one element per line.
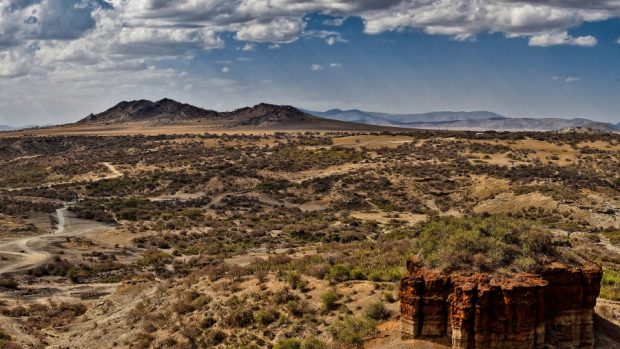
<point>33,251</point>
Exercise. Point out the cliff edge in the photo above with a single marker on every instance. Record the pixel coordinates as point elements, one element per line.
<point>549,309</point>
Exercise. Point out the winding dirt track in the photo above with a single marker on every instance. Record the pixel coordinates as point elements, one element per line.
<point>30,251</point>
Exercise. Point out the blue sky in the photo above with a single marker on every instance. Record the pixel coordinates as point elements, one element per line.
<point>63,59</point>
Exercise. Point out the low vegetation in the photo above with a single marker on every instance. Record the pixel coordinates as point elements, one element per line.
<point>286,240</point>
<point>486,244</point>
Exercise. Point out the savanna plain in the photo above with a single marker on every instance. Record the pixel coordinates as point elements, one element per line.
<point>286,239</point>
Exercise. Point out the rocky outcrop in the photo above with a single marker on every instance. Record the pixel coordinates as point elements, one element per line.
<point>552,309</point>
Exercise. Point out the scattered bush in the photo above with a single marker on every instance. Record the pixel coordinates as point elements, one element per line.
<point>313,343</point>
<point>339,273</point>
<point>353,330</point>
<point>485,243</point>
<point>291,343</point>
<point>377,311</point>
<point>329,299</point>
<point>239,318</point>
<point>610,285</point>
<point>266,317</point>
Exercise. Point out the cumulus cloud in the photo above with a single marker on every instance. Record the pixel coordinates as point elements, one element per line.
<point>248,47</point>
<point>92,43</point>
<point>334,22</point>
<point>330,37</point>
<point>279,30</point>
<point>92,32</point>
<point>16,62</point>
<point>562,38</point>
<point>22,20</point>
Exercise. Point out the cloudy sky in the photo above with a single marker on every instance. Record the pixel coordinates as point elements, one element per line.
<point>63,59</point>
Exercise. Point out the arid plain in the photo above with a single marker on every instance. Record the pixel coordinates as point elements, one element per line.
<point>281,232</point>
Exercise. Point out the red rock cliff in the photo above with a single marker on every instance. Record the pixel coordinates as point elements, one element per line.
<point>482,311</point>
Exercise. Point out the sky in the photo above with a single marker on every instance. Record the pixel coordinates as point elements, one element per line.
<point>61,60</point>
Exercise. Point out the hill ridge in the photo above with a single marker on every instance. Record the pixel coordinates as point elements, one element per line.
<point>463,120</point>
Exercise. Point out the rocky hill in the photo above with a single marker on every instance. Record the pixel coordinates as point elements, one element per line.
<point>145,110</point>
<point>170,112</point>
<point>268,114</point>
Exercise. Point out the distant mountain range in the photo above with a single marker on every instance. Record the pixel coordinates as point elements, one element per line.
<point>280,117</point>
<point>168,111</point>
<point>475,120</point>
<point>13,128</point>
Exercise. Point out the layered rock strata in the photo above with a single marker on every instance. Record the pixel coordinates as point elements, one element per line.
<point>552,309</point>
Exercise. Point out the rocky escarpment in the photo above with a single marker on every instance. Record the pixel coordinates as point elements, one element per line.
<point>552,309</point>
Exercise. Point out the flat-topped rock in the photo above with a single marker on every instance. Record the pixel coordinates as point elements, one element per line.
<point>552,308</point>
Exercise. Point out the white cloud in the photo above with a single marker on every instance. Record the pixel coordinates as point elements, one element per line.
<point>567,79</point>
<point>562,38</point>
<point>334,22</point>
<point>279,30</point>
<point>319,67</point>
<point>248,47</point>
<point>93,32</point>
<point>16,62</point>
<point>225,70</point>
<point>58,49</point>
<point>330,37</point>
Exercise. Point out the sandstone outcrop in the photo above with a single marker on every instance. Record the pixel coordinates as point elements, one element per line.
<point>551,309</point>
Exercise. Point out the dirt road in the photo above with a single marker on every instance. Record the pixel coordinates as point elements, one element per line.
<point>29,252</point>
<point>32,251</point>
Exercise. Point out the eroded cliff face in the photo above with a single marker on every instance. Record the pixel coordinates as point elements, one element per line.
<point>552,309</point>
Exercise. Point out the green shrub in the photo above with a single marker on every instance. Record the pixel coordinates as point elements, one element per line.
<point>329,299</point>
<point>485,243</point>
<point>313,343</point>
<point>339,273</point>
<point>613,236</point>
<point>297,283</point>
<point>610,285</point>
<point>357,274</point>
<point>291,343</point>
<point>377,311</point>
<point>266,317</point>
<point>353,330</point>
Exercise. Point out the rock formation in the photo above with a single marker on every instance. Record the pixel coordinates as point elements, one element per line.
<point>551,309</point>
